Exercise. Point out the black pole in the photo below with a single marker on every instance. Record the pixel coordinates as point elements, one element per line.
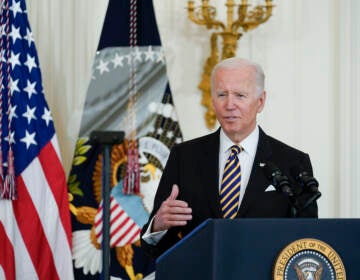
<point>105,244</point>
<point>107,139</point>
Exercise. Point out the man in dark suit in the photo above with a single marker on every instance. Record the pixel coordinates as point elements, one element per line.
<point>192,187</point>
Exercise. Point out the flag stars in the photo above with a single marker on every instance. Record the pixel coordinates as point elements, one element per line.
<point>47,116</point>
<point>137,54</point>
<point>178,140</point>
<point>12,112</point>
<point>103,66</point>
<point>30,62</point>
<point>30,114</point>
<point>30,88</point>
<point>160,56</point>
<point>29,139</point>
<point>29,37</point>
<point>12,137</point>
<point>170,134</point>
<point>15,33</point>
<point>118,61</point>
<point>14,86</point>
<point>14,60</point>
<point>15,8</point>
<point>149,54</point>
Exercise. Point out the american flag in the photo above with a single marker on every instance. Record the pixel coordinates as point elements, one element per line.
<point>35,229</point>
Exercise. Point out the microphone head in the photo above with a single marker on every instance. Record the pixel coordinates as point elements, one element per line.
<point>304,178</point>
<point>284,186</point>
<point>278,180</point>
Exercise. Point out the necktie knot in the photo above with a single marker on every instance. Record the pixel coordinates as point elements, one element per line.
<point>235,150</point>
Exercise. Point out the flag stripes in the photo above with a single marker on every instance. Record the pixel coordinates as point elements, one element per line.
<point>22,261</point>
<point>123,230</point>
<point>7,262</point>
<point>29,221</point>
<point>55,177</point>
<point>39,225</point>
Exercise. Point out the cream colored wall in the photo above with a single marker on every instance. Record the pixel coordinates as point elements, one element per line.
<point>303,49</point>
<point>66,34</point>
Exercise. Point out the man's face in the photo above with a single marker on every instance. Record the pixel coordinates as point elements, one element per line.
<point>236,101</point>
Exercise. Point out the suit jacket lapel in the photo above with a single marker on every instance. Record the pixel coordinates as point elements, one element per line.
<point>209,172</point>
<point>257,182</point>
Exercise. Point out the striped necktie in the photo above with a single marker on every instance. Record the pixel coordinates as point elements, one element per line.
<point>230,184</point>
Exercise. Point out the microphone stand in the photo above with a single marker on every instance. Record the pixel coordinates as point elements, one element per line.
<point>309,184</point>
<point>312,199</point>
<point>106,139</point>
<point>294,209</point>
<point>282,184</point>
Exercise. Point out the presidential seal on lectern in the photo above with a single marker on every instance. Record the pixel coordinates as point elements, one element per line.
<point>308,259</point>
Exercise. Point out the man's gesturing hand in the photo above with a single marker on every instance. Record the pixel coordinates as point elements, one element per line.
<point>172,212</point>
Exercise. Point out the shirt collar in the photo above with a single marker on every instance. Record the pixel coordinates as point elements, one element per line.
<point>249,144</point>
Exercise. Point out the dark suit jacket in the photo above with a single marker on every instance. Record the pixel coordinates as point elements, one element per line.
<point>194,167</point>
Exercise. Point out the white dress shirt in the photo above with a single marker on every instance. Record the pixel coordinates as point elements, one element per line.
<point>246,157</point>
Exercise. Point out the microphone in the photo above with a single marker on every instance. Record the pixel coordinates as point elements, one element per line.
<point>309,184</point>
<point>278,180</point>
<point>304,179</point>
<point>282,184</point>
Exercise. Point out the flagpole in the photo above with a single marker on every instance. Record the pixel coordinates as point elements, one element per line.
<point>106,139</point>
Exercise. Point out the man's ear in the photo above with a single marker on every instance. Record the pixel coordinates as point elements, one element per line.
<point>261,101</point>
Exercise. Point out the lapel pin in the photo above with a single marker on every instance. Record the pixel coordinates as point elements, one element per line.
<point>261,164</point>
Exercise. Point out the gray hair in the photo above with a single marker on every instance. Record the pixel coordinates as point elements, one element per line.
<point>236,63</point>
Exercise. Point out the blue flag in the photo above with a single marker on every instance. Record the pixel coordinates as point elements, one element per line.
<point>129,78</point>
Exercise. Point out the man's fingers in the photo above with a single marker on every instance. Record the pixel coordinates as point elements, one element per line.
<point>176,220</point>
<point>172,212</point>
<point>179,210</point>
<point>174,192</point>
<point>170,224</point>
<point>175,203</point>
<point>177,223</point>
<point>179,217</point>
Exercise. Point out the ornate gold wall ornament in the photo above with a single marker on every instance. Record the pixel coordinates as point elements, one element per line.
<point>230,33</point>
